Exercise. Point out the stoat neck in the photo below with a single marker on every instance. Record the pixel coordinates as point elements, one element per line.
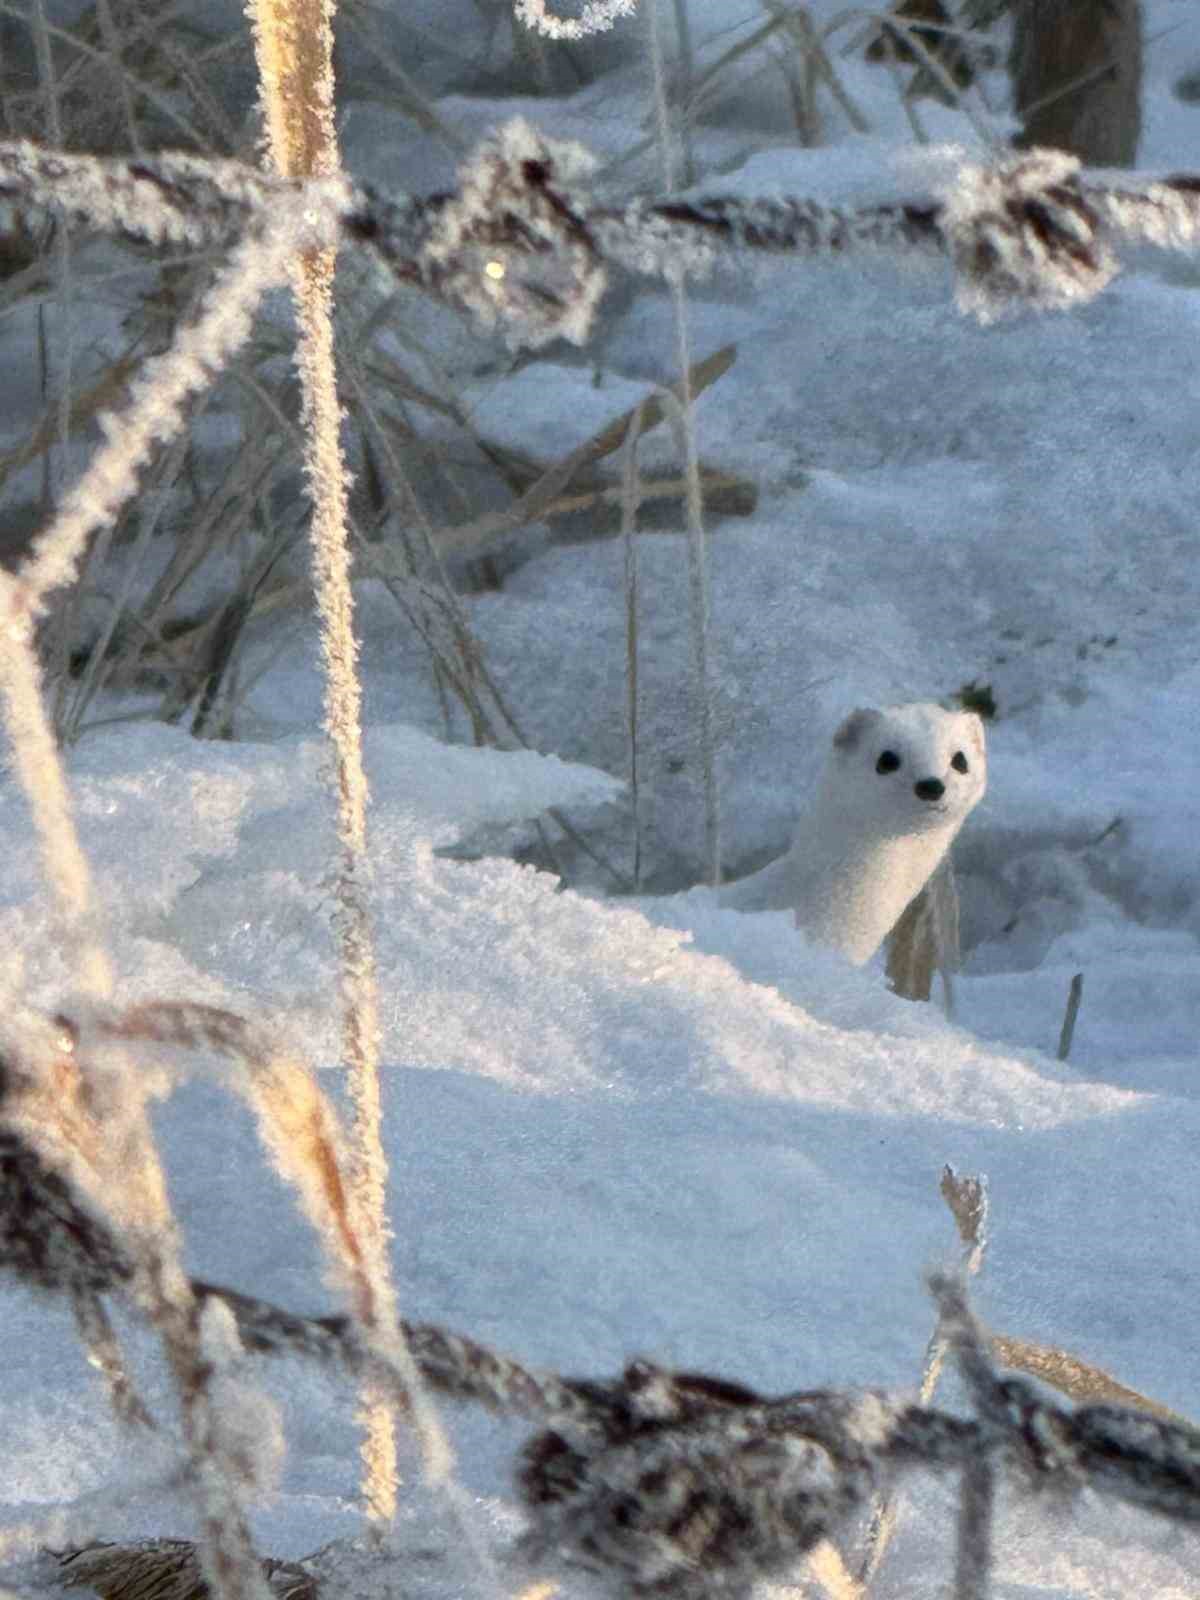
<point>853,896</point>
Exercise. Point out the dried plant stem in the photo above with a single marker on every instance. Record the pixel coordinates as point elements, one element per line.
<point>62,244</point>
<point>40,772</point>
<point>1067,1033</point>
<point>119,1159</point>
<point>687,77</point>
<point>826,1566</point>
<point>630,500</point>
<point>79,1140</point>
<point>160,393</point>
<point>973,1562</point>
<point>56,468</point>
<point>227,1555</point>
<point>967,1199</point>
<point>117,1148</point>
<point>294,45</point>
<point>685,430</point>
<point>104,1353</point>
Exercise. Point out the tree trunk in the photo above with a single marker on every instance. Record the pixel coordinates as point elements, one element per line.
<point>1077,77</point>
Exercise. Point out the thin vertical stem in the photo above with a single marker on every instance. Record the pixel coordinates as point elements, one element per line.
<point>698,587</point>
<point>40,772</point>
<point>687,78</point>
<point>294,47</point>
<point>973,1562</point>
<point>629,511</point>
<point>56,464</point>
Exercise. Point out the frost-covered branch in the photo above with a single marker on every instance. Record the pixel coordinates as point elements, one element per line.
<point>525,246</point>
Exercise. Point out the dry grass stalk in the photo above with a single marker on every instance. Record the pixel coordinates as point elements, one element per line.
<point>631,497</point>
<point>40,772</point>
<point>298,1127</point>
<point>79,1114</point>
<point>1082,1382</point>
<point>62,260</point>
<point>1067,1032</point>
<point>103,1351</point>
<point>723,493</point>
<point>933,27</point>
<point>683,424</point>
<point>826,1565</point>
<point>294,47</point>
<point>925,940</point>
<point>911,952</point>
<point>108,389</point>
<point>545,496</point>
<point>967,1200</point>
<point>160,394</point>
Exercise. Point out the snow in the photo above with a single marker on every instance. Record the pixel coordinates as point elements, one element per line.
<point>640,1124</point>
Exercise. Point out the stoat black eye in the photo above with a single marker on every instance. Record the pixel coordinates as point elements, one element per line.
<point>959,762</point>
<point>888,762</point>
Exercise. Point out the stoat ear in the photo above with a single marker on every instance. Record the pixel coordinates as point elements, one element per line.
<point>854,727</point>
<point>974,724</point>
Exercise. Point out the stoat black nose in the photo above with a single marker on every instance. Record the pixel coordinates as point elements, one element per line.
<point>929,789</point>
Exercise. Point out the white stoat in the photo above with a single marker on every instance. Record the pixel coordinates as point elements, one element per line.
<point>897,786</point>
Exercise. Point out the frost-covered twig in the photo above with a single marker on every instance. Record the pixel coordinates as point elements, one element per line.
<point>84,1210</point>
<point>38,768</point>
<point>967,1199</point>
<point>160,393</point>
<point>104,1353</point>
<point>63,1231</point>
<point>597,17</point>
<point>524,246</point>
<point>1144,1460</point>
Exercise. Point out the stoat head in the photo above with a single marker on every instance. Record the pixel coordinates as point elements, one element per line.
<point>907,769</point>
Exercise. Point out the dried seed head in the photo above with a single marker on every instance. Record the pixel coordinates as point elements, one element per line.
<point>511,246</point>
<point>1023,232</point>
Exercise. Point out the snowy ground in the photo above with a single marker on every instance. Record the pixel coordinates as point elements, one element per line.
<point>666,1129</point>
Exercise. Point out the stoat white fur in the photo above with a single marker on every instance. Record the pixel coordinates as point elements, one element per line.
<point>898,784</point>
